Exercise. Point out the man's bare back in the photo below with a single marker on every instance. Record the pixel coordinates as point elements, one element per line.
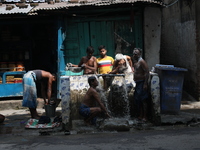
<point>88,108</point>
<point>90,97</point>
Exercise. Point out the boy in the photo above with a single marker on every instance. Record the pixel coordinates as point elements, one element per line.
<point>104,63</point>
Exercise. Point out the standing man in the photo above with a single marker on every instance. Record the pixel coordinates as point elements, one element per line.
<point>30,91</point>
<point>88,108</point>
<point>105,64</point>
<point>141,76</point>
<point>88,63</point>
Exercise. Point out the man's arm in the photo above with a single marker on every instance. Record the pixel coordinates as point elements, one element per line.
<point>97,98</point>
<point>80,63</point>
<point>43,92</point>
<point>49,88</point>
<point>146,73</point>
<point>74,65</point>
<point>130,62</point>
<point>115,68</point>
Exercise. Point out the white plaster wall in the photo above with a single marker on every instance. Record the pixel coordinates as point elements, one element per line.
<point>152,35</point>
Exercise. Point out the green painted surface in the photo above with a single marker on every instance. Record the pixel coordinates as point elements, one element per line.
<point>117,34</point>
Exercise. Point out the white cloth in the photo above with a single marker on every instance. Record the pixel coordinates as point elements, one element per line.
<point>128,70</point>
<point>120,56</point>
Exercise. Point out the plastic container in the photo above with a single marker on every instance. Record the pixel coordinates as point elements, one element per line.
<point>50,110</point>
<point>171,84</point>
<point>70,73</point>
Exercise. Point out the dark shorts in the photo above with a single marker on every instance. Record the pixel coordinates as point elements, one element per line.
<point>84,111</point>
<point>140,95</point>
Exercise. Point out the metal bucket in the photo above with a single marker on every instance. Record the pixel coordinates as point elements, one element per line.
<point>50,110</point>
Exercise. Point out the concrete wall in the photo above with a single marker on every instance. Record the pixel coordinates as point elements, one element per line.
<point>117,98</point>
<point>152,35</point>
<point>178,42</point>
<point>198,44</point>
<point>74,88</point>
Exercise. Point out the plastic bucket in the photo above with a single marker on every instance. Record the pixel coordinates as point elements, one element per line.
<point>50,110</point>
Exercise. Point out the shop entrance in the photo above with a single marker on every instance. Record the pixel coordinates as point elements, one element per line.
<point>44,54</point>
<point>32,44</point>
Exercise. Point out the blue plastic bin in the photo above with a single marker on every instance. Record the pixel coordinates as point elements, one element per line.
<point>171,84</point>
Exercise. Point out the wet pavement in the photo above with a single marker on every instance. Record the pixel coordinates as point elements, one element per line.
<point>17,116</point>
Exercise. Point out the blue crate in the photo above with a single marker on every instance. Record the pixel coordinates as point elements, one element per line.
<point>11,89</point>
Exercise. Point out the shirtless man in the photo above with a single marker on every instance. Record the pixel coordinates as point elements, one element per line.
<point>88,63</point>
<point>141,76</point>
<point>88,108</point>
<point>122,64</point>
<point>30,79</point>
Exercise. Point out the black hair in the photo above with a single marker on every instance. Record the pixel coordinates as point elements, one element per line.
<point>139,49</point>
<point>53,74</point>
<point>90,49</point>
<point>101,47</point>
<point>91,79</point>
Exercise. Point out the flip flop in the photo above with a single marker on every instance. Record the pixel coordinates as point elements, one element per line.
<point>67,132</point>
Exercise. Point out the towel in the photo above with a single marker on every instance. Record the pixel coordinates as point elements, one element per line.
<point>29,90</point>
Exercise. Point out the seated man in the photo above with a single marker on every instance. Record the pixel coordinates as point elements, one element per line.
<point>122,64</point>
<point>88,108</point>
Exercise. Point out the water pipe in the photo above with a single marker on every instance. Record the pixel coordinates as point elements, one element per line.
<point>168,5</point>
<point>111,75</point>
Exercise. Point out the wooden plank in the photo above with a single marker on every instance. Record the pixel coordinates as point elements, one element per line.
<point>110,38</point>
<point>71,43</point>
<point>93,37</point>
<point>86,38</point>
<point>81,40</point>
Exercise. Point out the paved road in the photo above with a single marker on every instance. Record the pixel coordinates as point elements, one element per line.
<point>13,136</point>
<point>162,138</point>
